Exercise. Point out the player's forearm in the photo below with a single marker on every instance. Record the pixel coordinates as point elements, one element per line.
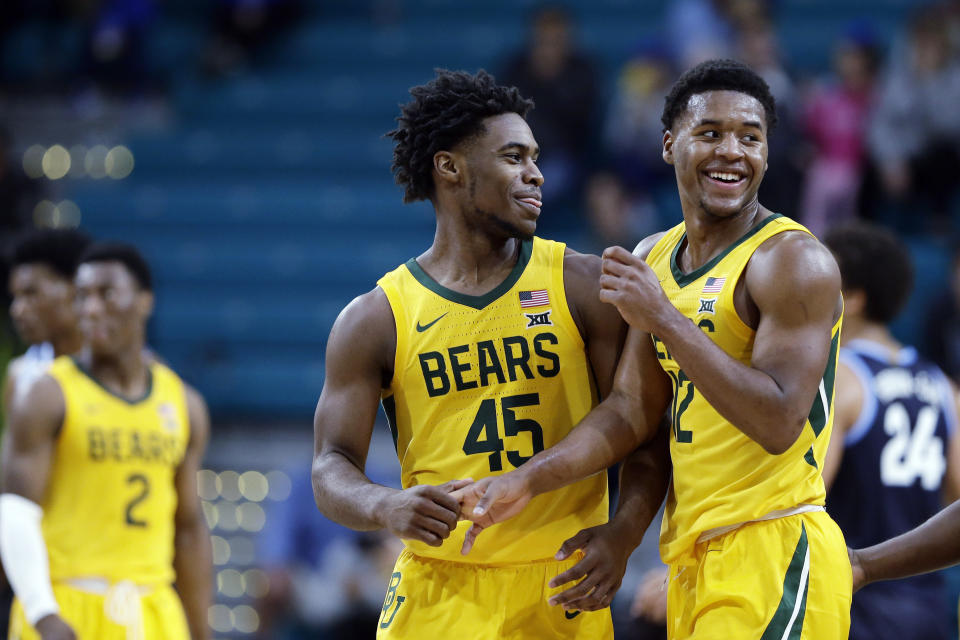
<point>750,399</point>
<point>346,495</point>
<point>644,478</point>
<point>194,566</point>
<point>933,545</point>
<point>604,437</point>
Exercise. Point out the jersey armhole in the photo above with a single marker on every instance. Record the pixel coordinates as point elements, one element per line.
<point>558,284</point>
<point>868,409</point>
<point>394,302</point>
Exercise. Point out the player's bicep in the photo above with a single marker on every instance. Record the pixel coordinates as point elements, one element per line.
<point>796,290</point>
<point>347,408</point>
<point>35,418</point>
<point>188,501</point>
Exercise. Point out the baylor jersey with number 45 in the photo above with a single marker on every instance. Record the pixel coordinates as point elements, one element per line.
<point>109,506</point>
<point>722,477</point>
<point>481,384</point>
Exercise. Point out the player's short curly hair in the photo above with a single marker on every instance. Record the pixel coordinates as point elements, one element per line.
<point>444,112</point>
<point>717,75</point>
<point>874,261</point>
<point>126,254</point>
<point>59,249</point>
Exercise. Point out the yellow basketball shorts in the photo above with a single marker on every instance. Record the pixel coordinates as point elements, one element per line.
<point>783,579</point>
<point>95,617</point>
<point>428,598</point>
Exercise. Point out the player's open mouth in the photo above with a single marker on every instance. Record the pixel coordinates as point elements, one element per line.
<point>726,178</point>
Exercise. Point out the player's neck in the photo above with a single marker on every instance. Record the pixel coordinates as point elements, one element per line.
<point>469,262</point>
<point>856,328</point>
<point>67,343</point>
<point>123,372</point>
<point>708,236</point>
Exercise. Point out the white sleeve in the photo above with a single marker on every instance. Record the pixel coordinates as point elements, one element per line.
<point>24,556</point>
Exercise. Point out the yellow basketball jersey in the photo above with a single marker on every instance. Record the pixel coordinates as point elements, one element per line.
<point>481,384</point>
<point>110,502</point>
<point>720,476</point>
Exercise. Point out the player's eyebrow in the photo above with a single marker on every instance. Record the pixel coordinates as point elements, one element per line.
<point>716,123</point>
<point>521,146</point>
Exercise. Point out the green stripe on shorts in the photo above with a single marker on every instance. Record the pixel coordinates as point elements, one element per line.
<point>787,621</point>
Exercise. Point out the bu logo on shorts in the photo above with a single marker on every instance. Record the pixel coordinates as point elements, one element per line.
<point>391,601</point>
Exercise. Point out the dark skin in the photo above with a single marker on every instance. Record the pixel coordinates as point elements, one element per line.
<point>113,311</point>
<point>487,197</point>
<point>42,311</point>
<point>789,294</point>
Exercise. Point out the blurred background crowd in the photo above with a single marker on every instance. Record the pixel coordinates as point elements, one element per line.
<point>239,144</point>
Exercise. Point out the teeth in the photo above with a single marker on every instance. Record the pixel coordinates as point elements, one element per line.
<point>728,177</point>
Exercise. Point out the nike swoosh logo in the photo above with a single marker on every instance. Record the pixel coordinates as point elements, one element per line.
<point>423,327</point>
<point>570,615</point>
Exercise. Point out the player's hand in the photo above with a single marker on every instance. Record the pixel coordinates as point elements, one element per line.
<point>859,575</point>
<point>492,500</point>
<point>628,283</point>
<point>602,567</point>
<point>53,627</point>
<point>427,513</point>
<point>650,600</point>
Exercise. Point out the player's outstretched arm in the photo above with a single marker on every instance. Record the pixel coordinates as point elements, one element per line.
<point>35,417</point>
<point>627,418</point>
<point>794,284</point>
<point>192,560</point>
<point>933,545</point>
<point>359,363</point>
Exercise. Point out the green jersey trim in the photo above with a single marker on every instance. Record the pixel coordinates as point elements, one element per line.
<point>683,279</point>
<point>475,302</point>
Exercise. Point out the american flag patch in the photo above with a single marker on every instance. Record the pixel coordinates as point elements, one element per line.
<point>713,285</point>
<point>538,298</point>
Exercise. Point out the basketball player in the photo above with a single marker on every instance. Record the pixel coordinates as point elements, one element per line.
<point>734,325</point>
<point>484,350</point>
<point>895,450</point>
<point>43,263</point>
<point>100,512</point>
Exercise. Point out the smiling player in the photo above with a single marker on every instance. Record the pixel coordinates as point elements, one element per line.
<point>734,321</point>
<point>485,349</point>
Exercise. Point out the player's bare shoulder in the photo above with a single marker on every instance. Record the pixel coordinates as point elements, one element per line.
<point>364,333</point>
<point>795,264</point>
<point>643,248</point>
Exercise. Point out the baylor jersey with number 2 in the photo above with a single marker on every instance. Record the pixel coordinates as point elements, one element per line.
<point>109,506</point>
<point>481,384</point>
<point>722,477</point>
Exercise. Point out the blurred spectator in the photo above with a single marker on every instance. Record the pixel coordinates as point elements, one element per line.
<point>914,133</point>
<point>116,45</point>
<point>834,118</point>
<point>633,133</point>
<point>942,325</point>
<point>564,84</point>
<point>616,217</point>
<point>699,30</point>
<point>327,582</point>
<point>242,27</point>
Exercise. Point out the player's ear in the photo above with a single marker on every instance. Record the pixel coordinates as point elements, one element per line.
<point>446,165</point>
<point>145,302</point>
<point>668,147</point>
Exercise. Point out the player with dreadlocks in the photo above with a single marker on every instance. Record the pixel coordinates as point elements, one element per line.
<point>483,350</point>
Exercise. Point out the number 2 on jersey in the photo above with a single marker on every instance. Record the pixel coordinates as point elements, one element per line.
<point>144,483</point>
<point>485,425</point>
<point>679,406</point>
